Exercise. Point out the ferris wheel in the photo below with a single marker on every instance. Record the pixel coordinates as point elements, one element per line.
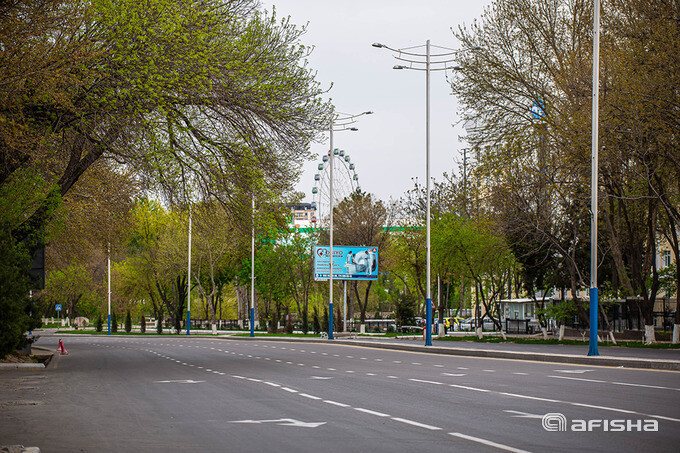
<point>345,182</point>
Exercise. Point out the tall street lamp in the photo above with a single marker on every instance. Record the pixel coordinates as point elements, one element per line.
<point>424,62</point>
<point>593,182</point>
<point>339,122</point>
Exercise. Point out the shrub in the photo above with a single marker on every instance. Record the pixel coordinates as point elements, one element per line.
<point>128,322</point>
<point>99,323</point>
<point>142,324</point>
<point>316,325</point>
<point>114,322</point>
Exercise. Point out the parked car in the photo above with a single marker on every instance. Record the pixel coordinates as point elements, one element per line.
<point>470,324</point>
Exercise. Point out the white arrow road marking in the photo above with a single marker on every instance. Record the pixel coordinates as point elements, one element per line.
<point>523,414</point>
<point>572,371</point>
<point>179,381</point>
<point>284,422</point>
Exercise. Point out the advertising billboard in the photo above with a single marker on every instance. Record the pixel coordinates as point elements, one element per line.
<point>349,262</point>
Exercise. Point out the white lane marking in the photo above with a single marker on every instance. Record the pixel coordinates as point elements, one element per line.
<point>489,443</point>
<point>301,364</point>
<point>289,363</point>
<point>598,381</point>
<point>349,371</point>
<point>368,411</point>
<point>331,369</point>
<point>427,382</point>
<point>179,381</point>
<point>392,377</point>
<point>370,374</point>
<point>454,374</point>
<point>289,390</point>
<point>349,356</point>
<point>378,360</point>
<point>311,397</point>
<point>521,374</point>
<point>273,384</point>
<point>363,358</point>
<point>462,368</point>
<point>416,363</point>
<point>549,400</point>
<point>396,361</point>
<point>438,366</point>
<point>419,425</point>
<point>572,371</point>
<point>321,377</point>
<point>523,414</point>
<point>316,366</point>
<point>335,403</point>
<point>490,371</point>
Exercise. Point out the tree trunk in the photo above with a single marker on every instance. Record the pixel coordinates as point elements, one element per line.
<point>649,334</point>
<point>676,333</point>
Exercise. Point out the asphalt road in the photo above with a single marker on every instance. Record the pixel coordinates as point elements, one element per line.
<point>179,393</point>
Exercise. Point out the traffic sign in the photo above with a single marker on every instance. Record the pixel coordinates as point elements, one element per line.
<point>58,307</point>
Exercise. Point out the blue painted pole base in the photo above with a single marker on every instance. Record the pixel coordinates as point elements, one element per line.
<point>593,323</point>
<point>252,322</point>
<point>428,323</point>
<point>330,321</point>
<point>188,322</point>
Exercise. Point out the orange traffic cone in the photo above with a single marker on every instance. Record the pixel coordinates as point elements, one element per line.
<point>61,347</point>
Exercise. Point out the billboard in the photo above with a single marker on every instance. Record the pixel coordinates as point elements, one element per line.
<point>349,262</point>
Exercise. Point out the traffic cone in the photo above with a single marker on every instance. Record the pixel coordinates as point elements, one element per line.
<point>61,348</point>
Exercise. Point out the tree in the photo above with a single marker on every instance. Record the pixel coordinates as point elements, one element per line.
<point>527,98</point>
<point>214,251</point>
<point>128,322</point>
<point>15,305</point>
<point>480,252</point>
<point>295,249</point>
<point>359,220</point>
<point>206,96</point>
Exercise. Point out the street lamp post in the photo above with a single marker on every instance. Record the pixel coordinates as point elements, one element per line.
<point>189,279</point>
<point>252,272</point>
<point>415,62</point>
<point>108,283</point>
<point>339,122</point>
<point>593,182</point>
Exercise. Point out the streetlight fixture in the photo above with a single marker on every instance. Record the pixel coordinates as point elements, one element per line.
<point>424,62</point>
<point>593,182</point>
<point>339,122</point>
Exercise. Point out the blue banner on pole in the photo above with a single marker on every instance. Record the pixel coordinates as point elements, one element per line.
<point>349,263</point>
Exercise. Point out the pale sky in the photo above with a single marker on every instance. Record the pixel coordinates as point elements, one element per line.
<point>389,147</point>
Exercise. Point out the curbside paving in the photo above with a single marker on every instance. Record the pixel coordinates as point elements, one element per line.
<point>626,362</point>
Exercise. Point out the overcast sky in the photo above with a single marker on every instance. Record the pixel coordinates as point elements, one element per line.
<point>389,148</point>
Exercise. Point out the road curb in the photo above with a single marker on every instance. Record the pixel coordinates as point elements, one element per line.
<point>649,364</point>
<point>14,366</point>
<point>654,364</point>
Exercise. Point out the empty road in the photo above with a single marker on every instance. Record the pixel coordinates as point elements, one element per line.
<point>179,393</point>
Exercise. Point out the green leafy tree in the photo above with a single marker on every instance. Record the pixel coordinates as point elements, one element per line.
<point>114,322</point>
